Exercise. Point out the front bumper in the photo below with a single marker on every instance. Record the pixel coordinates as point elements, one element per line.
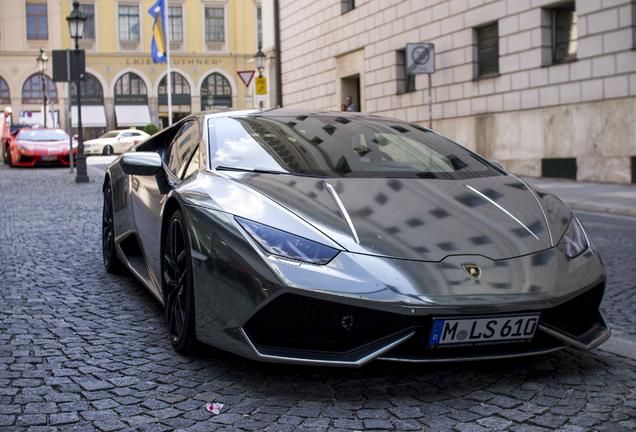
<point>325,333</point>
<point>28,160</point>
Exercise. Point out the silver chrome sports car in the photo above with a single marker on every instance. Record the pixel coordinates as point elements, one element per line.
<point>338,238</point>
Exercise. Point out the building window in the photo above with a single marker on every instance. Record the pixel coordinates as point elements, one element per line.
<point>259,26</point>
<point>128,22</point>
<point>5,97</point>
<point>180,90</point>
<point>89,26</point>
<point>215,92</point>
<point>214,24</point>
<point>488,51</point>
<point>36,21</point>
<point>130,89</point>
<point>32,89</point>
<point>347,5</point>
<point>405,81</point>
<point>564,34</point>
<point>92,91</point>
<point>175,21</point>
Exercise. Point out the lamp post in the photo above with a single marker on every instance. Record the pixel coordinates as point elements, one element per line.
<point>76,22</point>
<point>42,61</point>
<point>259,57</point>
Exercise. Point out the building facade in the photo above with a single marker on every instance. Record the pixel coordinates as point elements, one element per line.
<point>543,87</point>
<point>210,41</point>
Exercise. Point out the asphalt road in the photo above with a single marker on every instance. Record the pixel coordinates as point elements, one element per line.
<point>81,349</point>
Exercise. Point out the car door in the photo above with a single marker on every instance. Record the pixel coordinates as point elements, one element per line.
<point>148,199</point>
<point>137,137</point>
<point>124,141</point>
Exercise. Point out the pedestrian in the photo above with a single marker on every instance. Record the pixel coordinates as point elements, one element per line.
<point>350,105</point>
<point>343,107</point>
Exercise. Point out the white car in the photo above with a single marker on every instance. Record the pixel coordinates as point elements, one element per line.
<point>114,142</point>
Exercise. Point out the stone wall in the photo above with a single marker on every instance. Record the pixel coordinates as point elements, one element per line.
<point>600,135</point>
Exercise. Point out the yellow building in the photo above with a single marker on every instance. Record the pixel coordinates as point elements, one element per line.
<point>210,41</point>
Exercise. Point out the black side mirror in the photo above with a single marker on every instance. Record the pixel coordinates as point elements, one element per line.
<point>141,163</point>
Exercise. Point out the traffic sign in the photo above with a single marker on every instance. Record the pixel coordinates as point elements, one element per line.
<point>261,86</point>
<point>420,58</point>
<point>246,77</point>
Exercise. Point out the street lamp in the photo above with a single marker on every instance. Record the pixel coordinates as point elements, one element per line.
<point>42,61</point>
<point>260,62</point>
<point>76,22</point>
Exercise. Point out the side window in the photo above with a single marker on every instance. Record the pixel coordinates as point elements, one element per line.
<point>194,163</point>
<point>183,147</point>
<point>127,134</point>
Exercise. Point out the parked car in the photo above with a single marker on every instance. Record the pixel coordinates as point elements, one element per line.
<point>114,142</point>
<point>337,238</point>
<point>29,147</point>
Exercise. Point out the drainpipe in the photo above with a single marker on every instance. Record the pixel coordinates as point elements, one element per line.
<point>279,74</point>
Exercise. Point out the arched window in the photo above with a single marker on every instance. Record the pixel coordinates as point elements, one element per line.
<point>32,89</point>
<point>92,91</point>
<point>5,97</point>
<point>180,90</point>
<point>216,92</point>
<point>130,89</point>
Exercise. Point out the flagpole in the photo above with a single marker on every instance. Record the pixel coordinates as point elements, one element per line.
<point>169,89</point>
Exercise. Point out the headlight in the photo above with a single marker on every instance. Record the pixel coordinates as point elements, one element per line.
<point>574,241</point>
<point>286,245</point>
<point>22,148</point>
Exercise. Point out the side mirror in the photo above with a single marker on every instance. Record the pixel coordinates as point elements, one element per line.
<point>141,163</point>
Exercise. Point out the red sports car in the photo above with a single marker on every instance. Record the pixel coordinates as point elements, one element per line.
<point>28,147</point>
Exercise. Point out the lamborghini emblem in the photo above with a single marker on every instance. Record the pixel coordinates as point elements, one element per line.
<point>472,269</point>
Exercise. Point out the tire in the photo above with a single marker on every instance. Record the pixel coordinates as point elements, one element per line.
<point>178,292</point>
<point>108,150</point>
<point>7,155</point>
<point>111,262</point>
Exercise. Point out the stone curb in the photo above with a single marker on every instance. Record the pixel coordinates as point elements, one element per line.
<point>598,208</point>
<point>620,346</point>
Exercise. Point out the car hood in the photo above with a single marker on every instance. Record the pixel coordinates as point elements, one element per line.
<point>44,147</point>
<point>420,219</point>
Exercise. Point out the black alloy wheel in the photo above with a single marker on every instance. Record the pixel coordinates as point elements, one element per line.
<point>108,150</point>
<point>7,155</point>
<point>111,262</point>
<point>177,285</point>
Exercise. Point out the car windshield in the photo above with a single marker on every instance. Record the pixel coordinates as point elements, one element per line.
<point>110,135</point>
<point>42,135</point>
<point>334,146</point>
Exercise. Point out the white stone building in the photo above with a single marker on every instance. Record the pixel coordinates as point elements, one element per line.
<point>543,87</point>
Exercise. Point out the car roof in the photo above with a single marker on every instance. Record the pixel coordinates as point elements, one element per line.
<point>288,112</point>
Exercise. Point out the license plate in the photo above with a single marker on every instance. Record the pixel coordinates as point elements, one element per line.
<point>489,330</point>
<point>49,158</point>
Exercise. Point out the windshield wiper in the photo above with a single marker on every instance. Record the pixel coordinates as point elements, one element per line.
<point>265,171</point>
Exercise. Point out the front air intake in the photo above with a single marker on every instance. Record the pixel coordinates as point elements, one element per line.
<point>297,322</point>
<point>577,315</point>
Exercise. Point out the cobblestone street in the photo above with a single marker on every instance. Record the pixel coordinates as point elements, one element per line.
<point>81,349</point>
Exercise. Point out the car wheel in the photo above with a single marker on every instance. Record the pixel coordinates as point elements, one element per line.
<point>108,150</point>
<point>111,262</point>
<point>177,285</point>
<point>7,155</point>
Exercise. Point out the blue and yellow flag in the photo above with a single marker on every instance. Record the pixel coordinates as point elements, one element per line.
<point>158,48</point>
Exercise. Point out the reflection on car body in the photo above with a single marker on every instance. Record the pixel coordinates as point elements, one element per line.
<point>337,239</point>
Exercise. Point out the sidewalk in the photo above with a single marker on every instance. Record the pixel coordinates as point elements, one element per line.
<point>618,199</point>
